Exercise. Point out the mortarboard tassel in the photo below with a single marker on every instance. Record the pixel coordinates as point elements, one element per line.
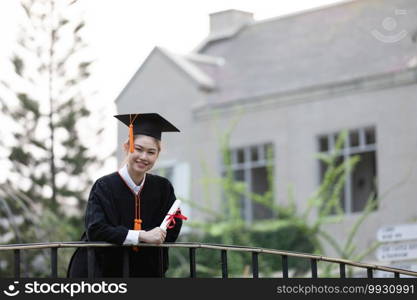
<point>131,138</point>
<point>131,147</point>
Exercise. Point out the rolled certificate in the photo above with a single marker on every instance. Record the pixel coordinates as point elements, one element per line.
<point>171,211</point>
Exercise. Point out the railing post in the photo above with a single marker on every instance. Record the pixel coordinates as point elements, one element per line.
<point>224,263</point>
<point>91,262</point>
<point>126,262</point>
<point>161,262</point>
<point>313,268</point>
<point>17,263</point>
<point>370,273</point>
<point>54,262</point>
<point>284,266</point>
<point>342,270</point>
<point>255,266</point>
<point>192,263</point>
<point>396,275</point>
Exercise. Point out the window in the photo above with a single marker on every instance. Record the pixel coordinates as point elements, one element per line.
<point>251,165</point>
<point>360,183</point>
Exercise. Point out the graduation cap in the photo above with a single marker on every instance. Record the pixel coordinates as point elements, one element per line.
<point>150,124</point>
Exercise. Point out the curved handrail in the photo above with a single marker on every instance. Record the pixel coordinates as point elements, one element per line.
<point>81,244</point>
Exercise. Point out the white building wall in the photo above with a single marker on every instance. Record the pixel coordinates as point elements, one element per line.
<point>294,130</point>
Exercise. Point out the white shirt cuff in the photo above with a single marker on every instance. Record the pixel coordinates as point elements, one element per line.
<point>132,238</point>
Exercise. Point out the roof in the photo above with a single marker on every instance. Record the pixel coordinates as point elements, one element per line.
<point>335,43</point>
<point>189,65</point>
<point>192,65</point>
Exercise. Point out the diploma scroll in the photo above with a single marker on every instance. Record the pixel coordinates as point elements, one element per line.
<point>171,211</point>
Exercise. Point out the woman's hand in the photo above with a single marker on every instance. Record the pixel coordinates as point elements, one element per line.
<point>154,236</point>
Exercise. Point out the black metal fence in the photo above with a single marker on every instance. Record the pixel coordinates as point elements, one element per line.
<point>193,247</point>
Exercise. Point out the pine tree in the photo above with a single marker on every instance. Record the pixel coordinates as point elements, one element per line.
<point>50,174</point>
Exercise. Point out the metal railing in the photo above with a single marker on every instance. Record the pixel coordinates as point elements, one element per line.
<point>223,251</point>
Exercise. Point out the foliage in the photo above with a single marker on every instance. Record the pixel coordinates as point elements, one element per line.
<point>49,174</point>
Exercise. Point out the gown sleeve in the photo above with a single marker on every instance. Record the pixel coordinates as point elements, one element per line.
<point>101,217</point>
<point>172,234</point>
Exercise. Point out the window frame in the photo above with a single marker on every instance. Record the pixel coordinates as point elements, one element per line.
<point>246,167</point>
<point>346,152</point>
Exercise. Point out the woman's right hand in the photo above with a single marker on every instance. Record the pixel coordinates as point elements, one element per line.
<point>154,236</point>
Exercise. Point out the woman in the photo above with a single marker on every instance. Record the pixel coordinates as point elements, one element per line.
<point>127,207</point>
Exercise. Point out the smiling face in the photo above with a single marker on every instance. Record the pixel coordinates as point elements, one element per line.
<point>144,156</point>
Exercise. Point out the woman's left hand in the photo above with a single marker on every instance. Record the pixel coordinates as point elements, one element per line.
<point>154,236</point>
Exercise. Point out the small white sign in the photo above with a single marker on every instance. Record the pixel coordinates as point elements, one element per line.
<point>397,251</point>
<point>396,233</point>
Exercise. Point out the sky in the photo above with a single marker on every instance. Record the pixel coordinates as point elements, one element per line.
<point>121,34</point>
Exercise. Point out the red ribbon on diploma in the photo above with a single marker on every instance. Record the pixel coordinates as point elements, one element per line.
<point>171,218</point>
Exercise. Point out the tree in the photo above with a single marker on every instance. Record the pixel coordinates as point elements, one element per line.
<point>50,163</point>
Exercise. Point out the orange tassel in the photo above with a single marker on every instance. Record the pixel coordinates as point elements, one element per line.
<point>131,148</point>
<point>137,226</point>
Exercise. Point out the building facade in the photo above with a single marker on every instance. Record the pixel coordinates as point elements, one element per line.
<point>287,86</point>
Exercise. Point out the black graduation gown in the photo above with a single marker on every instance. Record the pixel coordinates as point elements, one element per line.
<point>109,216</point>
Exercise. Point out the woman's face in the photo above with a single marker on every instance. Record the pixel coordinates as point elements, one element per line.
<point>144,155</point>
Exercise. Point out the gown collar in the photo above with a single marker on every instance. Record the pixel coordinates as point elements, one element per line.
<point>129,181</point>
